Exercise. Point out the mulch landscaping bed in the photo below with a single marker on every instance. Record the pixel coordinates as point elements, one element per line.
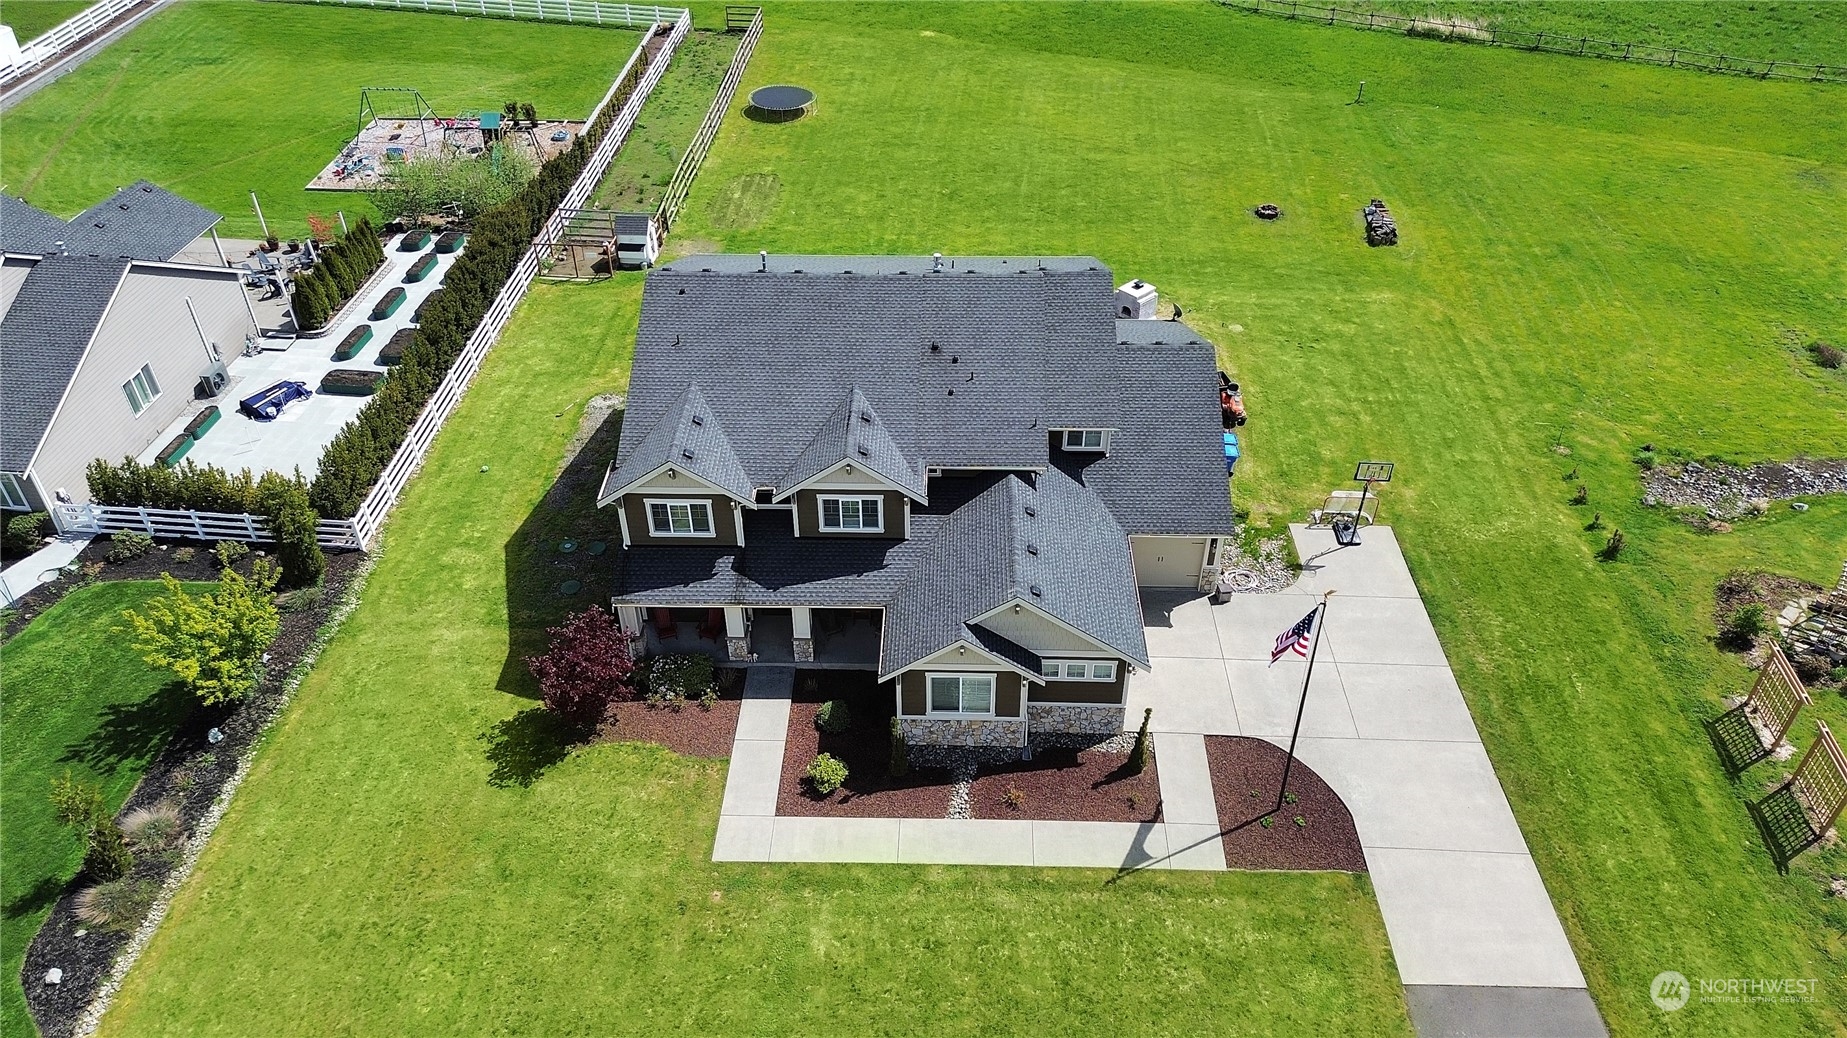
<point>692,730</point>
<point>1067,785</point>
<point>1245,775</point>
<point>189,772</point>
<point>865,748</point>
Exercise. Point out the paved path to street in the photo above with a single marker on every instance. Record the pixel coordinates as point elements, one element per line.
<point>1478,944</point>
<point>40,567</point>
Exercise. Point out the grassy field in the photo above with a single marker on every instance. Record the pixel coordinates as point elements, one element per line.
<point>407,858</point>
<point>30,18</point>
<point>1594,256</point>
<point>79,700</point>
<point>639,176</point>
<point>1767,30</point>
<point>214,100</point>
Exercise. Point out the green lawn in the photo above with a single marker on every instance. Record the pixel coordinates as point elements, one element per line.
<point>1594,256</point>
<point>30,18</point>
<point>77,698</point>
<point>639,175</point>
<point>1766,30</point>
<point>392,865</point>
<point>214,100</point>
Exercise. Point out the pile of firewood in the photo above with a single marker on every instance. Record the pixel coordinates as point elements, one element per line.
<point>1380,228</point>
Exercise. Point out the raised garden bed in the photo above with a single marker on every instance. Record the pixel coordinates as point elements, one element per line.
<point>388,304</point>
<point>175,449</point>
<point>202,422</point>
<point>393,351</point>
<point>354,342</point>
<point>451,241</point>
<point>420,269</point>
<point>352,381</point>
<point>865,748</point>
<point>189,772</point>
<point>1245,777</point>
<point>414,240</point>
<point>424,307</point>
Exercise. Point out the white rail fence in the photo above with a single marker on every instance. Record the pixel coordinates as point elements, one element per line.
<point>64,36</point>
<point>203,526</point>
<point>586,12</point>
<point>384,494</point>
<point>363,527</point>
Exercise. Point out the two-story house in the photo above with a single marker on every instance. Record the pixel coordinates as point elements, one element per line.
<point>955,472</point>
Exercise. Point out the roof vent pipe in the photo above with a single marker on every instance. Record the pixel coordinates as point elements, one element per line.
<point>936,261</point>
<point>62,251</point>
<point>763,257</point>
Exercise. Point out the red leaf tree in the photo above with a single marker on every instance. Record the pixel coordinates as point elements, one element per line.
<point>586,670</point>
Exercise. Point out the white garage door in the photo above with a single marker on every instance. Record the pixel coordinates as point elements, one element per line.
<point>1168,561</point>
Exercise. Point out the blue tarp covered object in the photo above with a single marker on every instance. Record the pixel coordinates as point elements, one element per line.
<point>266,405</point>
<point>1231,451</point>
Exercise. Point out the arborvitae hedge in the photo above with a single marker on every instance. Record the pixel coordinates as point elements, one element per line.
<point>344,265</point>
<point>187,486</point>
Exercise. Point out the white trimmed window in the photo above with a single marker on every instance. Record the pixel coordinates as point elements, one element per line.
<point>961,695</point>
<point>680,518</point>
<point>1078,670</point>
<point>13,492</point>
<point>1086,439</point>
<point>861,514</point>
<point>142,389</point>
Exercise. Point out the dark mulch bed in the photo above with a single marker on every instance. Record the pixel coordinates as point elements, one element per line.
<point>189,772</point>
<point>692,730</point>
<point>1066,785</point>
<point>865,748</point>
<point>202,566</point>
<point>1326,840</point>
<point>1773,591</point>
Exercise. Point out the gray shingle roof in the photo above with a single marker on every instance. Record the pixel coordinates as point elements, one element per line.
<point>28,229</point>
<point>689,438</point>
<point>43,339</point>
<point>854,433</point>
<point>141,221</point>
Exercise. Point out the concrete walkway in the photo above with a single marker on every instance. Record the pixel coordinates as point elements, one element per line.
<point>1478,944</point>
<point>749,830</point>
<point>40,567</point>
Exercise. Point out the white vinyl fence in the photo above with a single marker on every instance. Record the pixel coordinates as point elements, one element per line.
<point>585,12</point>
<point>65,35</point>
<point>203,526</point>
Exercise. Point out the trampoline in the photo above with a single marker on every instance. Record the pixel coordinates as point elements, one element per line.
<point>781,102</point>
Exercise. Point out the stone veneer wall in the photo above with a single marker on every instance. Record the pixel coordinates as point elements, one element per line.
<point>1004,731</point>
<point>1052,717</point>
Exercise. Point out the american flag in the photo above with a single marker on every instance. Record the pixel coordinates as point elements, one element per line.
<point>1295,638</point>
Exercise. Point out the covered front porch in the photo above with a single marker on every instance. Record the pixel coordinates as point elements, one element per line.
<point>747,636</point>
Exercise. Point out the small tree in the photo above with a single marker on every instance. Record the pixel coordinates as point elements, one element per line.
<point>293,522</point>
<point>79,806</point>
<point>1138,755</point>
<point>900,765</point>
<point>1613,547</point>
<point>531,113</point>
<point>213,642</point>
<point>586,670</point>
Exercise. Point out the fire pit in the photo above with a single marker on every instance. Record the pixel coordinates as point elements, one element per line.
<point>1267,211</point>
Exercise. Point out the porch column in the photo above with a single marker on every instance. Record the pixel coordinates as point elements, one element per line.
<point>629,617</point>
<point>737,641</point>
<point>800,617</point>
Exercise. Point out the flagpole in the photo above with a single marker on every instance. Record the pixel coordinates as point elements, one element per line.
<point>1321,612</point>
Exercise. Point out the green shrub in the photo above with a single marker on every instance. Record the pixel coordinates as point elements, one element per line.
<point>1745,624</point>
<point>214,642</point>
<point>118,905</point>
<point>79,806</point>
<point>228,552</point>
<point>833,717</point>
<point>826,773</point>
<point>900,765</point>
<point>129,544</point>
<point>292,522</point>
<point>188,486</point>
<point>1827,354</point>
<point>153,829</point>
<point>1646,459</point>
<point>23,533</point>
<point>680,677</point>
<point>184,555</point>
<point>1613,547</point>
<point>301,599</point>
<point>1138,755</point>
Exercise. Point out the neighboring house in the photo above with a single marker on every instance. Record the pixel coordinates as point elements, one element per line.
<point>953,472</point>
<point>103,338</point>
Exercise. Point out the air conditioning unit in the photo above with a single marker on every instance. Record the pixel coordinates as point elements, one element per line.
<point>213,382</point>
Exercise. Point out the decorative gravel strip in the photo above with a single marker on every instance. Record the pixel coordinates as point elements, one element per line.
<point>1267,573</point>
<point>260,715</point>
<point>1729,491</point>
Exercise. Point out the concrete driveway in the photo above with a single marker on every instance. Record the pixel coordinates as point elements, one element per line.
<point>1478,944</point>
